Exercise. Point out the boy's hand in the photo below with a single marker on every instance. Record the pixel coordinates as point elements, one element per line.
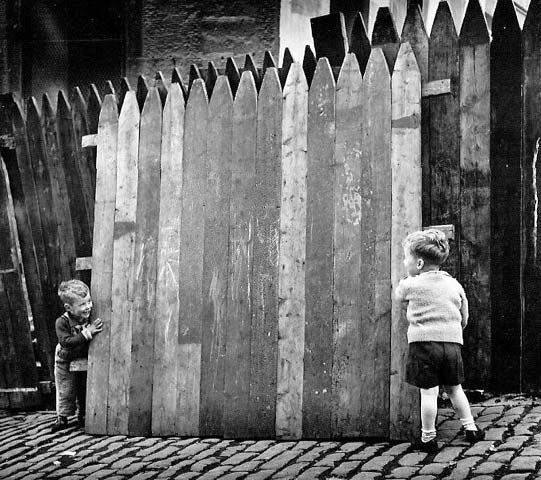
<point>96,326</point>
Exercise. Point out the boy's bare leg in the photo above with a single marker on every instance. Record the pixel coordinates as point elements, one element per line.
<point>429,411</point>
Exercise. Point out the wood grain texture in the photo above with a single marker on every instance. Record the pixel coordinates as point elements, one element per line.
<point>531,133</point>
<point>239,308</point>
<point>444,171</point>
<point>123,267</point>
<point>215,259</point>
<point>347,201</point>
<point>264,343</point>
<point>385,36</point>
<point>166,368</point>
<point>292,256</point>
<point>145,262</point>
<point>375,244</point>
<point>406,218</point>
<point>102,271</point>
<point>505,140</point>
<point>318,341</point>
<point>475,237</point>
<point>360,42</point>
<point>191,256</point>
<point>330,37</point>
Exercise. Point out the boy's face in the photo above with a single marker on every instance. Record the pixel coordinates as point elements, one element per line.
<point>411,262</point>
<point>80,308</point>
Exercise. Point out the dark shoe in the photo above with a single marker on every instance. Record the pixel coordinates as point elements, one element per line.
<point>428,447</point>
<point>473,436</point>
<point>60,424</point>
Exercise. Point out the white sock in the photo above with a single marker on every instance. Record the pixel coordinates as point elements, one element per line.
<point>427,435</point>
<point>468,423</point>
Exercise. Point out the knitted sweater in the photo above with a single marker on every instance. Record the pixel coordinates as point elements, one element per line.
<point>437,308</point>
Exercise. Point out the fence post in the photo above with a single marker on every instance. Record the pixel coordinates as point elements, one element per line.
<point>406,218</point>
<point>102,266</point>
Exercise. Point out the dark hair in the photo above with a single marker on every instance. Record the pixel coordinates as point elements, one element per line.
<point>431,245</point>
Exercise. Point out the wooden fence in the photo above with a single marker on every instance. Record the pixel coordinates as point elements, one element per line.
<point>247,226</point>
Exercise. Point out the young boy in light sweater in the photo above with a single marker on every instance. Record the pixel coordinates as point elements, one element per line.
<point>437,311</point>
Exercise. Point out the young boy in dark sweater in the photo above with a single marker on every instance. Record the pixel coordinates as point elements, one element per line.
<point>74,331</point>
<point>437,311</point>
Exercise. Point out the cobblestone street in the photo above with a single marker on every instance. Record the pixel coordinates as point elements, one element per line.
<point>511,451</point>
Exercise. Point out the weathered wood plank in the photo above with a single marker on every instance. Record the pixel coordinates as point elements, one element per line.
<point>80,210</point>
<point>239,309</point>
<point>176,77</point>
<point>330,37</point>
<point>385,36</point>
<point>406,218</point>
<point>347,204</point>
<point>318,334</point>
<point>287,61</point>
<point>102,272</point>
<point>193,75</point>
<point>442,179</point>
<point>375,244</point>
<point>360,42</point>
<point>160,84</point>
<point>165,416</point>
<point>414,32</point>
<point>292,256</point>
<point>123,267</point>
<point>212,76</point>
<point>233,75</point>
<point>505,138</point>
<point>191,256</point>
<point>474,43</point>
<point>531,121</point>
<point>268,61</point>
<point>309,64</point>
<point>215,260</point>
<point>265,264</point>
<point>93,109</point>
<point>125,87</point>
<point>145,260</point>
<point>249,66</point>
<point>142,91</point>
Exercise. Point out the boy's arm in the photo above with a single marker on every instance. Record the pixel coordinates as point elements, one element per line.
<point>464,308</point>
<point>400,293</point>
<point>65,337</point>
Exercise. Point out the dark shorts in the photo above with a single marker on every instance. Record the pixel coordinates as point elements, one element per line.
<point>431,364</point>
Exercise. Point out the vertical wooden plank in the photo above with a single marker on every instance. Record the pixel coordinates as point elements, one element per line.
<point>145,260</point>
<point>193,76</point>
<point>159,83</point>
<point>86,157</point>
<point>142,91</point>
<point>191,257</point>
<point>406,218</point>
<point>268,61</point>
<point>318,334</point>
<point>309,64</point>
<point>265,267</point>
<point>109,88</point>
<point>249,65</point>
<point>291,313</point>
<point>474,42</point>
<point>414,32</point>
<point>212,76</point>
<point>287,61</point>
<point>444,134</point>
<point>102,266</point>
<point>125,87</point>
<point>123,267</point>
<point>347,202</point>
<point>81,218</point>
<point>330,37</point>
<point>239,309</point>
<point>176,77</point>
<point>385,36</point>
<point>505,138</point>
<point>232,73</point>
<point>166,367</point>
<point>531,121</point>
<point>94,107</point>
<point>360,42</point>
<point>59,191</point>
<point>375,244</point>
<point>215,258</point>
<point>18,362</point>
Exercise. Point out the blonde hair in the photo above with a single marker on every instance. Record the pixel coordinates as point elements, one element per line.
<point>431,245</point>
<point>70,290</point>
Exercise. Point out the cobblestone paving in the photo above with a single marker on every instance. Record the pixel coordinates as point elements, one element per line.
<point>511,451</point>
